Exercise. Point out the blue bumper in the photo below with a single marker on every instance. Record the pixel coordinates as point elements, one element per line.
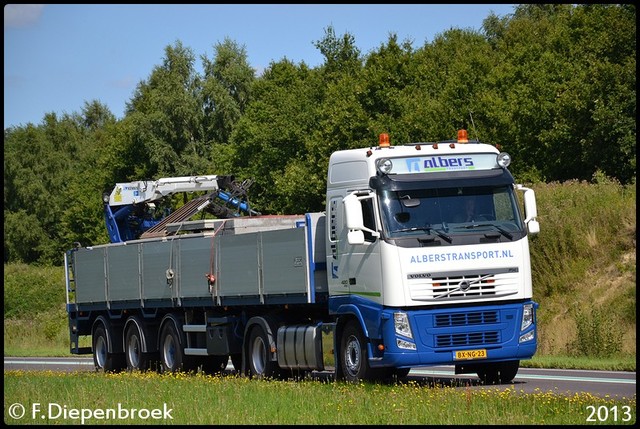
<point>444,336</point>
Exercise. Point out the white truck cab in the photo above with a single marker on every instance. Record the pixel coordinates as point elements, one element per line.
<point>431,237</point>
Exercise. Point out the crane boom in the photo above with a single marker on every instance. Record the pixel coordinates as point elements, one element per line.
<point>145,191</point>
<point>128,208</point>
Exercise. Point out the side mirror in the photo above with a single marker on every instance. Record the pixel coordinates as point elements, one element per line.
<point>353,212</point>
<point>355,220</point>
<point>531,210</point>
<point>355,237</point>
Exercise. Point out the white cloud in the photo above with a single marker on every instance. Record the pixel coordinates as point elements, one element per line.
<point>21,15</point>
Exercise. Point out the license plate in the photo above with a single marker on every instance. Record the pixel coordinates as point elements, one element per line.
<point>470,354</point>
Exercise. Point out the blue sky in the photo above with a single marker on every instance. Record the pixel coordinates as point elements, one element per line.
<point>57,56</point>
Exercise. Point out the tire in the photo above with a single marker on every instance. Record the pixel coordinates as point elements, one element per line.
<point>258,362</point>
<point>136,359</point>
<point>499,372</point>
<point>353,354</point>
<point>172,357</point>
<point>102,359</point>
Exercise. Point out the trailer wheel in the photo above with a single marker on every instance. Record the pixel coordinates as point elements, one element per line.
<point>136,359</point>
<point>102,359</point>
<point>171,354</point>
<point>260,365</point>
<point>353,354</point>
<point>499,372</point>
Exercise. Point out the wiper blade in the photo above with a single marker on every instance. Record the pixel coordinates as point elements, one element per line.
<point>502,230</point>
<point>428,229</point>
<point>442,235</point>
<point>414,228</point>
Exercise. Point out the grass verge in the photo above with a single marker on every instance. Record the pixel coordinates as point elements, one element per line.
<point>151,398</point>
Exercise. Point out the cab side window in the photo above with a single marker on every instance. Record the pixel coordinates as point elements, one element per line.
<point>369,219</point>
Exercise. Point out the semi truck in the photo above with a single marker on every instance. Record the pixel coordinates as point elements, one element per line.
<point>420,258</point>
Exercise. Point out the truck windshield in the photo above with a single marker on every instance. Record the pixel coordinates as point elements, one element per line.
<point>450,210</point>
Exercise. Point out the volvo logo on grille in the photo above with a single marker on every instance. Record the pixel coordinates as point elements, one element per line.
<point>419,276</point>
<point>464,285</point>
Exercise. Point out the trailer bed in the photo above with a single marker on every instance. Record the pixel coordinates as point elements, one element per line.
<point>243,261</point>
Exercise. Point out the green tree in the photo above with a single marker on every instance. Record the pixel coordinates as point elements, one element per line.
<point>40,164</point>
<point>562,95</point>
<point>226,89</point>
<point>273,131</point>
<point>166,117</point>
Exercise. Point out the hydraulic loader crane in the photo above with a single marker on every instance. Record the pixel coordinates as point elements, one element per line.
<point>129,210</point>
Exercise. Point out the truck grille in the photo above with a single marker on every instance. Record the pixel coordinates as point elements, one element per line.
<point>467,339</point>
<point>465,319</point>
<point>470,319</point>
<point>454,287</point>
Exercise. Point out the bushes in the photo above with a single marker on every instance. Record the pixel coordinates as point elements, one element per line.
<point>598,335</point>
<point>583,261</point>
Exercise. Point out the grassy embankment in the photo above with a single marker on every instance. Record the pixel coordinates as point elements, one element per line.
<point>584,278</point>
<point>87,397</point>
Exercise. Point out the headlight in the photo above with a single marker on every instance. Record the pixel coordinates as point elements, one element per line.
<point>527,316</point>
<point>401,323</point>
<point>527,337</point>
<point>384,165</point>
<point>402,344</point>
<point>503,159</point>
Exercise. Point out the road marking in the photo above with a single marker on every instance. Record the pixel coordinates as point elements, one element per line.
<point>45,362</point>
<point>533,377</point>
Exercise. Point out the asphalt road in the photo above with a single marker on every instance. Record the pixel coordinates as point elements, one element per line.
<point>611,384</point>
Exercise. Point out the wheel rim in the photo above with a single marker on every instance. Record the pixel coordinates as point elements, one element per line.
<point>258,355</point>
<point>169,352</point>
<point>133,351</point>
<point>352,356</point>
<point>101,352</point>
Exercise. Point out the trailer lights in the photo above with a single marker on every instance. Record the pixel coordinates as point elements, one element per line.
<point>503,159</point>
<point>384,165</point>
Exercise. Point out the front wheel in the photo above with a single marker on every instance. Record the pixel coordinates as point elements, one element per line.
<point>498,372</point>
<point>353,354</point>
